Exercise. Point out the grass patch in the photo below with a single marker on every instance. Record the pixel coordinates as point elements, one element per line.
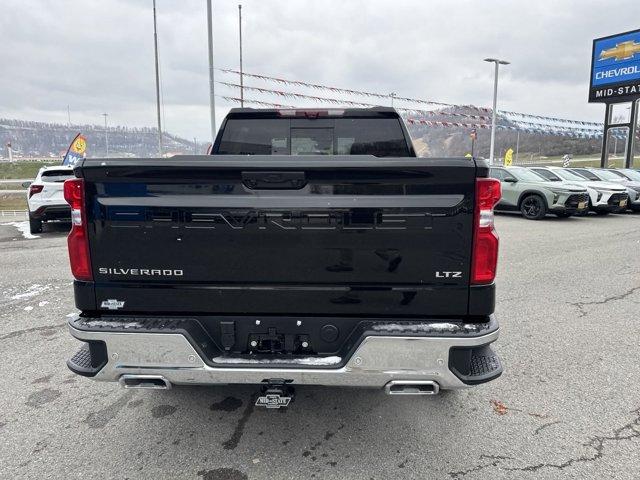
<point>13,201</point>
<point>23,169</point>
<point>12,186</point>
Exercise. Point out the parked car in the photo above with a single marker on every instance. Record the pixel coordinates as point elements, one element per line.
<point>604,197</point>
<point>534,196</point>
<point>627,177</point>
<point>45,197</point>
<point>628,173</point>
<point>325,253</point>
<point>599,175</point>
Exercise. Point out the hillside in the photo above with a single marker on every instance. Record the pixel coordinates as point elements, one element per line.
<point>455,141</point>
<point>51,140</point>
<point>38,139</point>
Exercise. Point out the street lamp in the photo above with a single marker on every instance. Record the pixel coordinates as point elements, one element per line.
<point>106,135</point>
<point>497,63</point>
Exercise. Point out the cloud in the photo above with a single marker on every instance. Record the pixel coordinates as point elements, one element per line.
<point>98,56</point>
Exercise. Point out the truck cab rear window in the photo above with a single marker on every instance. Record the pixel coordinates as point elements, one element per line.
<point>380,137</point>
<point>56,175</point>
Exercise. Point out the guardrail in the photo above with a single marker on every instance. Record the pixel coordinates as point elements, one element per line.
<point>35,159</point>
<point>14,213</point>
<point>542,162</point>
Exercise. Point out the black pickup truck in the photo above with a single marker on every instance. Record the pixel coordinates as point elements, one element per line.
<point>311,247</point>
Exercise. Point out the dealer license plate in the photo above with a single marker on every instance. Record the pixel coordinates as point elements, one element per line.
<point>582,205</point>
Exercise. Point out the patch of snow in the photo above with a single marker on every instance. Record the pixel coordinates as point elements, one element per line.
<point>424,327</point>
<point>32,291</point>
<point>71,315</point>
<point>105,323</point>
<point>315,361</point>
<point>23,228</point>
<point>43,303</point>
<point>28,309</point>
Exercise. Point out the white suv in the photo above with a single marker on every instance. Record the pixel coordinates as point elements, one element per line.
<point>46,198</point>
<point>604,197</point>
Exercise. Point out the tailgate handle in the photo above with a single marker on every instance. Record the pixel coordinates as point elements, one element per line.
<point>274,180</point>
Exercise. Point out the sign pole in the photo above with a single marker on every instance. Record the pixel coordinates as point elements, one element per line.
<point>631,139</point>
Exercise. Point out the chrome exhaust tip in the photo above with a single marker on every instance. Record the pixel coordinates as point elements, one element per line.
<point>149,382</point>
<point>412,387</point>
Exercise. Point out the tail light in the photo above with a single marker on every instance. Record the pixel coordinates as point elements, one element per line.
<point>78,240</point>
<point>485,239</point>
<point>33,189</point>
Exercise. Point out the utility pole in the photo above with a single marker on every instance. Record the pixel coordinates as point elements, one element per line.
<point>195,146</point>
<point>474,136</point>
<point>392,96</point>
<point>241,79</point>
<point>212,97</point>
<point>155,45</point>
<point>106,135</point>
<point>497,63</point>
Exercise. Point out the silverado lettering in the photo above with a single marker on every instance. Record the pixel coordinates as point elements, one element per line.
<point>140,272</point>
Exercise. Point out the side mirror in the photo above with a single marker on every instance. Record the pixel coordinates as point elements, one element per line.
<point>510,180</point>
<point>26,184</point>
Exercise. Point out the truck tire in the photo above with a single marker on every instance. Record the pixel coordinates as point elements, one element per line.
<point>533,207</point>
<point>35,225</point>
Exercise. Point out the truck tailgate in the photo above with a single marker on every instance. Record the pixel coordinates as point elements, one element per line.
<point>336,235</point>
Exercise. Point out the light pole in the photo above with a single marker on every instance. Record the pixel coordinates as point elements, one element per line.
<point>212,96</point>
<point>106,135</point>
<point>155,49</point>
<point>497,63</point>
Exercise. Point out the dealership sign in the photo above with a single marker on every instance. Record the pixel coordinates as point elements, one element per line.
<point>615,68</point>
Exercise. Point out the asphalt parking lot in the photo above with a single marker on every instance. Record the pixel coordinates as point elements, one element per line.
<point>567,406</point>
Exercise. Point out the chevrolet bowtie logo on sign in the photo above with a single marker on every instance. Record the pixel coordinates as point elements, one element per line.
<point>615,68</point>
<point>622,51</point>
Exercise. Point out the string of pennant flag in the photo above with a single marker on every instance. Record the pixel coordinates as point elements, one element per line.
<point>532,129</point>
<point>363,93</point>
<point>254,102</point>
<point>338,101</point>
<point>348,91</point>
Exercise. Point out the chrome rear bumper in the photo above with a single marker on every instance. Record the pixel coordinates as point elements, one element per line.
<point>377,361</point>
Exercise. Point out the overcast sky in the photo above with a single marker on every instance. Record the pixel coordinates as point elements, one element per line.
<point>97,55</point>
